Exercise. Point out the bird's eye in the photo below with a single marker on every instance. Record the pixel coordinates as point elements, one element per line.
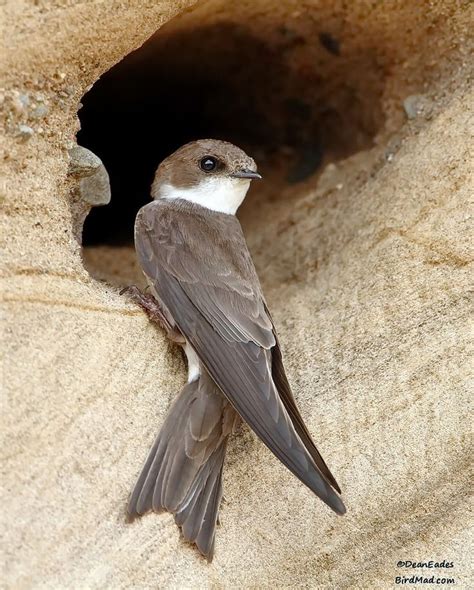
<point>208,164</point>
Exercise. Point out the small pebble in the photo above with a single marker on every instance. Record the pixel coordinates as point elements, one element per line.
<point>24,99</point>
<point>95,189</point>
<point>392,148</point>
<point>25,132</point>
<point>40,111</point>
<point>83,162</point>
<point>418,105</point>
<point>94,185</point>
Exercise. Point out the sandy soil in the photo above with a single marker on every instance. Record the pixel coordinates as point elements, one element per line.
<point>367,269</point>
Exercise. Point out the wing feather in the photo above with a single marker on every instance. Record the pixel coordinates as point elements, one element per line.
<point>201,270</point>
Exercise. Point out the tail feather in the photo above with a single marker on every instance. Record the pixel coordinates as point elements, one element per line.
<point>197,516</point>
<point>183,471</point>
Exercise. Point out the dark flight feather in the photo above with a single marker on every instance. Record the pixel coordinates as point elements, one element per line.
<point>200,268</point>
<point>182,473</point>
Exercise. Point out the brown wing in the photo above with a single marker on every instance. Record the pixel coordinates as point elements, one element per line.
<point>201,269</point>
<point>281,383</point>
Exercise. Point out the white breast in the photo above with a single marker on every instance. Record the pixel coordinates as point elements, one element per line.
<point>223,195</point>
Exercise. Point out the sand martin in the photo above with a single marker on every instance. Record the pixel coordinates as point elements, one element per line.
<point>206,294</point>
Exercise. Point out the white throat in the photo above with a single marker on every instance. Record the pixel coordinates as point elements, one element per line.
<point>223,195</point>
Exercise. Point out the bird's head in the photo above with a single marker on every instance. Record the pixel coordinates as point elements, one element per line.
<point>209,172</point>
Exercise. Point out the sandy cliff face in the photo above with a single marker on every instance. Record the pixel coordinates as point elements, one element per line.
<point>365,262</point>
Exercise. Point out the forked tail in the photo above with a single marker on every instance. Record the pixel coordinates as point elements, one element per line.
<point>183,471</point>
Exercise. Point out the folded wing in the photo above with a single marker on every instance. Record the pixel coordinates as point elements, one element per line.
<point>200,267</point>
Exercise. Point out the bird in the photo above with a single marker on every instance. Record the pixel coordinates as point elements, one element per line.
<point>204,291</point>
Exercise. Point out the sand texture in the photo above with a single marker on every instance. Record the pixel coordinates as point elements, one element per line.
<point>366,265</point>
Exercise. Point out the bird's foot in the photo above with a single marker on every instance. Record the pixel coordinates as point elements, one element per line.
<point>153,310</point>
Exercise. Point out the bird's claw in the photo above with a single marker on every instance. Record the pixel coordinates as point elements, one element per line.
<point>154,311</point>
<point>131,290</point>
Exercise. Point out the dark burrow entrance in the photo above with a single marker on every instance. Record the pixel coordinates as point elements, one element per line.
<point>293,95</point>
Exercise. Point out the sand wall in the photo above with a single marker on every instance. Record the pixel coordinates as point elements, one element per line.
<point>364,256</point>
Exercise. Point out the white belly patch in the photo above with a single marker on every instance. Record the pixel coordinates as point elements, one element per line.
<point>194,369</point>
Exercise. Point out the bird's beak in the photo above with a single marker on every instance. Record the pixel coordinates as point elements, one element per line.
<point>250,174</point>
